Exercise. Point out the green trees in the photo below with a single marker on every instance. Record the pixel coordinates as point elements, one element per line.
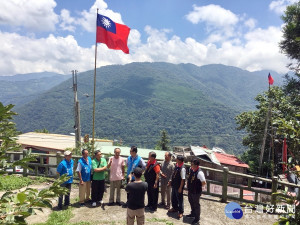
<point>285,112</point>
<point>15,207</point>
<point>290,45</point>
<point>253,122</point>
<point>163,143</point>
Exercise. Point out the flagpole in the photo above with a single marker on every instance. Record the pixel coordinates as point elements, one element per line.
<point>94,102</point>
<point>260,169</point>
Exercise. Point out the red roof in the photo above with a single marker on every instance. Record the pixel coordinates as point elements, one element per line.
<point>230,160</point>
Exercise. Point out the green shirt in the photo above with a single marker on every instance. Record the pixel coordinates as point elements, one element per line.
<point>96,164</point>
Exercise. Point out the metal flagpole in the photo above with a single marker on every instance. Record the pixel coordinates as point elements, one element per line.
<point>94,103</point>
<point>260,170</point>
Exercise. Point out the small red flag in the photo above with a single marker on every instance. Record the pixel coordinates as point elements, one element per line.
<point>114,35</point>
<point>270,78</point>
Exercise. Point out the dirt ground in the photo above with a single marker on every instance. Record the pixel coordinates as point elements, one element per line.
<point>212,212</point>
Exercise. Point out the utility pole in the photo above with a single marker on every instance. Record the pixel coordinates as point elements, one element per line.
<point>76,111</point>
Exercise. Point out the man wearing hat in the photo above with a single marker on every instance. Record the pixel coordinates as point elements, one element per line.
<point>66,167</point>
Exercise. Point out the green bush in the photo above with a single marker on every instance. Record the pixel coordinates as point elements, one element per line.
<point>12,182</point>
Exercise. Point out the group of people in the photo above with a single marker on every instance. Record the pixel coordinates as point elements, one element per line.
<point>171,179</point>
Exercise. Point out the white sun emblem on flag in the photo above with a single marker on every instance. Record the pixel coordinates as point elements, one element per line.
<point>106,22</point>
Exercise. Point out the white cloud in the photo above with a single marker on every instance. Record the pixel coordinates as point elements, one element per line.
<point>30,14</point>
<point>88,18</point>
<point>279,6</point>
<point>21,54</point>
<point>255,50</point>
<point>62,54</point>
<point>260,51</point>
<point>213,15</point>
<point>220,22</point>
<point>67,21</point>
<point>250,23</point>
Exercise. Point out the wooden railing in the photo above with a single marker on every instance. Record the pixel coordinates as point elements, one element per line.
<point>277,186</point>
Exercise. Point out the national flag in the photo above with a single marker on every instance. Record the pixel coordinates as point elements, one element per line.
<point>114,35</point>
<point>284,155</point>
<point>270,78</point>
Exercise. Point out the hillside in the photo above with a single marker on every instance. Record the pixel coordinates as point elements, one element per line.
<point>196,105</point>
<point>22,88</point>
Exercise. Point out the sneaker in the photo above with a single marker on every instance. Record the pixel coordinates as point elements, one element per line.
<point>94,204</point>
<point>82,205</point>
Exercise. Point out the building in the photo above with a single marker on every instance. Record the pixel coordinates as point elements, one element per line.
<point>214,158</point>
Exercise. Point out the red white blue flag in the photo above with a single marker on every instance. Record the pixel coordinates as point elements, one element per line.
<point>270,78</point>
<point>114,35</point>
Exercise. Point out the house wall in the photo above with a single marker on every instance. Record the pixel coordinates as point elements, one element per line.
<point>219,176</point>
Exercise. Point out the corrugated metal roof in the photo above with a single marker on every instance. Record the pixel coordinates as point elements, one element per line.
<point>53,141</point>
<point>205,153</point>
<point>125,151</point>
<point>61,142</point>
<point>230,160</point>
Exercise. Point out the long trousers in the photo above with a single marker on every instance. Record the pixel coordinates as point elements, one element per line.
<point>194,200</point>
<point>67,196</point>
<point>152,194</point>
<point>116,184</point>
<point>84,191</point>
<point>97,190</point>
<point>165,190</point>
<point>177,200</point>
<point>139,214</point>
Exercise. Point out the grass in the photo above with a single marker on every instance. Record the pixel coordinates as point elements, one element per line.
<point>160,220</point>
<point>59,218</point>
<point>12,182</point>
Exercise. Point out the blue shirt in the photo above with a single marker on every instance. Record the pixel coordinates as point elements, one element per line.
<point>85,168</point>
<point>132,163</point>
<point>66,167</point>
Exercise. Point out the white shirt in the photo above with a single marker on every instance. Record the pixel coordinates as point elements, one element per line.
<point>201,176</point>
<point>182,173</point>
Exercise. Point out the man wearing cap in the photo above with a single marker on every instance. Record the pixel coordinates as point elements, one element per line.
<point>66,167</point>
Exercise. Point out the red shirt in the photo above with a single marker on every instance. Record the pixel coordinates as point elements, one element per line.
<point>155,168</point>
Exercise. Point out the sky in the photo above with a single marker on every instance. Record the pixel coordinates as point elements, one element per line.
<point>59,35</point>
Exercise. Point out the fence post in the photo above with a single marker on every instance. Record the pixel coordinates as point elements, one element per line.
<point>225,183</point>
<point>24,169</point>
<point>58,159</point>
<point>274,189</point>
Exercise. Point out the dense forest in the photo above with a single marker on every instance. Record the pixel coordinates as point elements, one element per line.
<point>134,102</point>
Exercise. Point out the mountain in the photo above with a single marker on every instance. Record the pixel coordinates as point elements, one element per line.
<point>22,88</point>
<point>134,102</point>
